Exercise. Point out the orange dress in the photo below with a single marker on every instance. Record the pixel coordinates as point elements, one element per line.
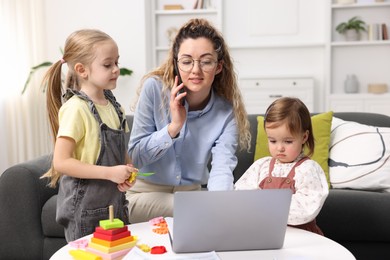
<point>288,182</point>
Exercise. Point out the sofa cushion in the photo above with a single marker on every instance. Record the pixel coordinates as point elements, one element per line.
<point>359,156</point>
<point>321,128</point>
<point>49,225</point>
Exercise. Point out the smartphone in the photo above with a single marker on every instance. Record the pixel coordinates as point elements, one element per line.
<point>179,82</point>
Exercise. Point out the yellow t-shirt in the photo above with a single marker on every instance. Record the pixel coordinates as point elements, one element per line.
<point>77,122</point>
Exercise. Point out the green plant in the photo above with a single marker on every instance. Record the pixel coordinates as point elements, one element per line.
<point>352,24</point>
<point>123,72</point>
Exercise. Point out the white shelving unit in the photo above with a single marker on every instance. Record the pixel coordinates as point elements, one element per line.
<point>368,59</point>
<point>259,93</point>
<point>303,45</point>
<point>290,50</point>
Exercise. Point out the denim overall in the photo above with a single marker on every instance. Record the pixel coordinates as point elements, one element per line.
<point>82,203</point>
<point>288,182</point>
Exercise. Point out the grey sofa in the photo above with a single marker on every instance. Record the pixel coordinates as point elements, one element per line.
<point>356,219</point>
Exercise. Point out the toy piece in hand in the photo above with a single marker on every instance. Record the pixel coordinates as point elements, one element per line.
<point>111,222</point>
<point>135,174</point>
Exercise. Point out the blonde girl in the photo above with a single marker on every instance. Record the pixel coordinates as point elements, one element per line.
<point>89,159</point>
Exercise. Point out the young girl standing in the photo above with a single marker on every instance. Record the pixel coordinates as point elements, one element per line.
<point>287,123</point>
<point>89,125</point>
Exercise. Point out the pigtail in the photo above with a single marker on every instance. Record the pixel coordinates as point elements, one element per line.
<point>53,82</point>
<point>53,95</point>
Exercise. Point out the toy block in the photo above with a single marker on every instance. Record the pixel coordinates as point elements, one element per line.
<point>111,222</point>
<point>84,255</point>
<point>81,243</point>
<point>111,237</point>
<point>106,249</point>
<point>112,231</point>
<point>112,243</point>
<point>134,175</point>
<point>109,256</point>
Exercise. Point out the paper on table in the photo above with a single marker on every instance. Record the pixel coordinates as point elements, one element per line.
<point>138,254</point>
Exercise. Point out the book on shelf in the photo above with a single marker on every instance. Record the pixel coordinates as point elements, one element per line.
<point>173,7</point>
<point>198,4</point>
<point>385,33</point>
<point>377,32</point>
<point>195,6</point>
<point>202,4</point>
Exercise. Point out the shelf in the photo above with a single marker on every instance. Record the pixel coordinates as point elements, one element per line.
<point>353,96</point>
<point>360,43</point>
<point>367,59</point>
<point>186,12</point>
<point>368,5</point>
<point>280,45</point>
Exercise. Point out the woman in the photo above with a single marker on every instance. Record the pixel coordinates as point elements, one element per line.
<point>176,140</point>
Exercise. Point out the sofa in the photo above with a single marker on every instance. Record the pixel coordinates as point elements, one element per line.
<point>356,219</point>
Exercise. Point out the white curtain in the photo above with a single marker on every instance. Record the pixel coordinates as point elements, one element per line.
<point>24,132</point>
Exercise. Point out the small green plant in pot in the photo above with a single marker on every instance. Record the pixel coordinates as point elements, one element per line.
<point>352,28</point>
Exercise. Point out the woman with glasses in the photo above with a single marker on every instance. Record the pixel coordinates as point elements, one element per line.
<point>189,115</point>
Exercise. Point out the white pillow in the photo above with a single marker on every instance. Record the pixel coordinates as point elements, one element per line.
<point>359,156</point>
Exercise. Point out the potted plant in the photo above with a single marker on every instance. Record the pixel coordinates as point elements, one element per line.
<point>352,28</point>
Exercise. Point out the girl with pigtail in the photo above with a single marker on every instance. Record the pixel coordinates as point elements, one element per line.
<point>88,125</point>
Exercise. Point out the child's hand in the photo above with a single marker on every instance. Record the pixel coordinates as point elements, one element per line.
<point>123,187</point>
<point>130,181</point>
<point>121,173</point>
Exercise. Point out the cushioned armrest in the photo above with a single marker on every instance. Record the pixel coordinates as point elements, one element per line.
<point>22,196</point>
<point>355,215</point>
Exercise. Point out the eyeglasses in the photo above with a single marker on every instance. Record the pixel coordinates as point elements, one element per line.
<point>206,64</point>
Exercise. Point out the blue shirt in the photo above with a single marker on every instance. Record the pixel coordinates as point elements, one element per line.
<point>208,133</point>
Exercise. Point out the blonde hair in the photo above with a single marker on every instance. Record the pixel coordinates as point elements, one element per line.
<point>80,47</point>
<point>225,83</point>
<point>294,113</point>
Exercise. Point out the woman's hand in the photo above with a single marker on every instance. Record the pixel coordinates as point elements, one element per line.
<point>178,111</point>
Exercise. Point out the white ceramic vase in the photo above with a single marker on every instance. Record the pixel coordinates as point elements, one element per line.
<point>351,84</point>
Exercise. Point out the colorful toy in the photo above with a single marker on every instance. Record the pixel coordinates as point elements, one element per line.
<point>109,241</point>
<point>162,225</point>
<point>145,248</point>
<point>84,255</point>
<point>111,222</point>
<point>156,250</point>
<point>109,256</point>
<point>134,175</point>
<point>81,243</point>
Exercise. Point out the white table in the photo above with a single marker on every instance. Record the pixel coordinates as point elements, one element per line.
<point>298,245</point>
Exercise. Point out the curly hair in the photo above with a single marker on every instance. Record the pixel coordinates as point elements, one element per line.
<point>225,83</point>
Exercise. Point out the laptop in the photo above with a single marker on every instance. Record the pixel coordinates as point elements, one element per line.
<point>206,221</point>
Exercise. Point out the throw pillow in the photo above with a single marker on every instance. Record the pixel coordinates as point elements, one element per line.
<point>359,156</point>
<point>321,130</point>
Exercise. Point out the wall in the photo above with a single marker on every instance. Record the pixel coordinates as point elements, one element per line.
<point>289,50</point>
<point>278,39</point>
<point>121,19</point>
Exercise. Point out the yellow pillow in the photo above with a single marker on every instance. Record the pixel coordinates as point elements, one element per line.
<point>321,129</point>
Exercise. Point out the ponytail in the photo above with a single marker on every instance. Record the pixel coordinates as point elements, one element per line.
<point>53,83</point>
